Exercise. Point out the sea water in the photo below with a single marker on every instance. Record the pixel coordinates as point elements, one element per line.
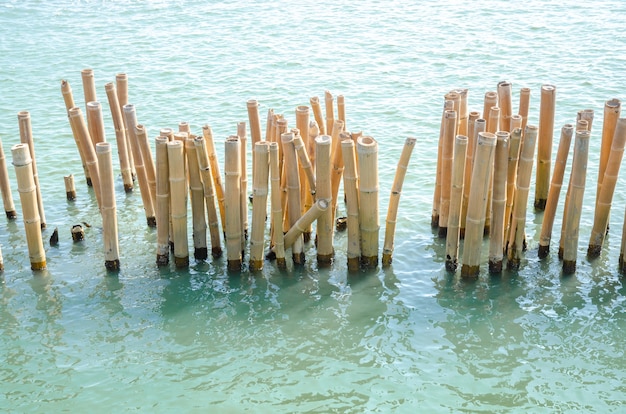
<point>408,338</point>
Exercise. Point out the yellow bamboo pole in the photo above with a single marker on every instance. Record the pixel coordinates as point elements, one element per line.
<point>496,235</point>
<point>567,131</point>
<point>28,197</point>
<point>26,137</point>
<point>300,142</point>
<point>70,189</point>
<point>307,169</point>
<point>269,127</point>
<point>524,106</point>
<point>463,112</point>
<point>276,207</point>
<point>91,161</point>
<point>518,223</point>
<point>207,133</point>
<point>68,98</point>
<point>243,138</point>
<point>544,145</point>
<point>489,101</point>
<point>505,105</point>
<point>511,178</point>
<point>196,190</point>
<point>232,201</point>
<point>325,226</point>
<point>109,207</point>
<point>209,196</point>
<point>455,97</point>
<point>89,87</point>
<point>337,166</point>
<point>367,148</point>
<point>178,201</point>
<point>148,162</point>
<point>95,122</point>
<point>317,114</point>
<point>516,122</point>
<point>341,110</point>
<point>475,125</point>
<point>259,203</point>
<point>162,201</point>
<point>493,120</point>
<point>434,221</point>
<point>351,188</point>
<point>330,112</point>
<point>305,221</point>
<point>447,157</point>
<point>493,126</point>
<point>612,110</point>
<point>456,195</point>
<point>5,187</point>
<point>120,136</point>
<point>121,83</point>
<point>481,173</point>
<point>293,193</point>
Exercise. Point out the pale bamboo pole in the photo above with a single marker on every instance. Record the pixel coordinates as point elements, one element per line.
<point>305,221</point>
<point>269,127</point>
<point>243,138</point>
<point>518,223</point>
<point>456,195</point>
<point>463,113</point>
<point>489,101</point>
<point>496,235</point>
<point>167,133</point>
<point>307,168</point>
<point>209,196</point>
<point>317,114</point>
<point>493,125</point>
<point>605,199</point>
<point>447,157</point>
<point>475,125</point>
<point>89,88</point>
<point>26,137</point>
<point>5,187</point>
<point>300,142</point>
<point>70,189</point>
<point>516,122</point>
<point>586,115</point>
<point>367,148</point>
<point>148,161</point>
<point>434,221</point>
<point>178,201</point>
<point>120,136</point>
<point>259,203</point>
<point>196,190</point>
<point>68,98</point>
<point>140,169</point>
<point>336,162</point>
<point>505,104</point>
<point>341,109</point>
<point>524,106</point>
<point>91,161</point>
<point>493,120</point>
<point>95,122</point>
<point>281,128</point>
<point>351,188</point>
<point>109,207</point>
<point>255,127</point>
<point>475,222</point>
<point>293,193</point>
<point>455,97</point>
<point>325,225</point>
<point>579,176</point>
<point>278,243</point>
<point>314,132</point>
<point>207,133</point>
<point>28,197</point>
<point>515,141</point>
<point>232,201</point>
<point>121,83</point>
<point>162,201</point>
<point>330,112</point>
<point>567,131</point>
<point>544,145</point>
<point>612,110</point>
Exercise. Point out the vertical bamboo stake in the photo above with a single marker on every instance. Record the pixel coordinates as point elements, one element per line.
<point>255,127</point>
<point>544,145</point>
<point>95,122</point>
<point>148,162</point>
<point>68,98</point>
<point>567,131</point>
<point>493,125</point>
<point>178,201</point>
<point>91,161</point>
<point>209,196</point>
<point>120,136</point>
<point>70,190</point>
<point>586,115</point>
<point>26,137</point>
<point>463,113</point>
<point>447,157</point>
<point>232,202</point>
<point>293,192</point>
<point>243,138</point>
<point>109,207</point>
<point>518,223</point>
<point>516,122</point>
<point>89,86</point>
<point>276,207</point>
<point>330,111</point>
<point>524,105</point>
<point>455,97</point>
<point>475,222</point>
<point>317,114</point>
<point>197,202</point>
<point>605,199</point>
<point>341,110</point>
<point>269,127</point>
<point>612,109</point>
<point>434,221</point>
<point>300,141</point>
<point>215,172</point>
<point>456,195</point>
<point>5,187</point>
<point>511,178</point>
<point>325,226</point>
<point>121,83</point>
<point>505,105</point>
<point>490,100</point>
<point>475,125</point>
<point>496,235</point>
<point>28,196</point>
<point>493,121</point>
<point>351,188</point>
<point>259,203</point>
<point>367,148</point>
<point>579,176</point>
<point>162,201</point>
<point>336,171</point>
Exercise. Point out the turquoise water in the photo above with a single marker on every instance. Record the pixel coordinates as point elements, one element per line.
<point>410,337</point>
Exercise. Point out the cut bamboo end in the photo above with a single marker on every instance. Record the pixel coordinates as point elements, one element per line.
<point>70,189</point>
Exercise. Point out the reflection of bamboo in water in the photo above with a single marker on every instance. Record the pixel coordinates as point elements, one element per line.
<point>496,235</point>
<point>26,137</point>
<point>5,187</point>
<point>544,145</point>
<point>456,194</point>
<point>109,208</point>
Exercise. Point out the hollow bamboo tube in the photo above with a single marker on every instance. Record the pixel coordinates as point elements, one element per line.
<point>316,107</point>
<point>120,136</point>
<point>148,162</point>
<point>95,122</point>
<point>481,173</point>
<point>612,109</point>
<point>314,132</point>
<point>325,226</point>
<point>300,142</point>
<point>293,192</point>
<point>579,176</point>
<point>544,145</point>
<point>496,235</point>
<point>121,83</point>
<point>493,125</point>
<point>367,148</point>
<point>505,105</point>
<point>269,128</point>
<point>605,199</point>
<point>330,112</point>
<point>140,168</point>
<point>518,222</point>
<point>475,125</point>
<point>456,195</point>
<point>489,101</point>
<point>109,207</point>
<point>305,221</point>
<point>511,178</point>
<point>162,201</point>
<point>232,201</point>
<point>434,221</point>
<point>351,189</point>
<point>91,161</point>
<point>28,197</point>
<point>255,127</point>
<point>447,158</point>
<point>5,187</point>
<point>567,131</point>
<point>26,137</point>
<point>196,191</point>
<point>524,105</point>
<point>178,202</point>
<point>276,207</point>
<point>207,133</point>
<point>493,122</point>
<point>463,112</point>
<point>243,138</point>
<point>209,196</point>
<point>586,115</point>
<point>68,98</point>
<point>341,109</point>
<point>516,122</point>
<point>336,163</point>
<point>70,190</point>
<point>259,203</point>
<point>89,85</point>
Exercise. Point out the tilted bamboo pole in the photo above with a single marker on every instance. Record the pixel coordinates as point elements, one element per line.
<point>434,221</point>
<point>120,136</point>
<point>28,197</point>
<point>612,110</point>
<point>300,142</point>
<point>524,106</point>
<point>269,127</point>
<point>255,130</point>
<point>162,201</point>
<point>341,110</point>
<point>70,189</point>
<point>505,105</point>
<point>544,145</point>
<point>232,201</point>
<point>293,193</point>
<point>278,243</point>
<point>336,162</point>
<point>196,190</point>
<point>148,162</point>
<point>330,112</point>
<point>26,137</point>
<point>325,225</point>
<point>317,114</point>
<point>261,156</point>
<point>178,201</point>
<point>121,84</point>
<point>489,101</point>
<point>496,235</point>
<point>209,196</point>
<point>351,189</point>
<point>447,157</point>
<point>91,161</point>
<point>493,120</point>
<point>68,98</point>
<point>109,207</point>
<point>95,122</point>
<point>305,221</point>
<point>5,187</point>
<point>511,178</point>
<point>475,125</point>
<point>456,196</point>
<point>367,148</point>
<point>243,138</point>
<point>207,133</point>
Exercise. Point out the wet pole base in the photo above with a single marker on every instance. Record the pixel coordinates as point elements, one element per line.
<point>256,265</point>
<point>594,251</point>
<point>369,262</point>
<point>234,265</point>
<point>543,251</point>
<point>495,266</point>
<point>569,267</point>
<point>513,263</point>
<point>540,204</point>
<point>112,265</point>
<point>324,260</point>
<point>201,253</point>
<point>434,222</point>
<point>470,272</point>
<point>354,264</point>
<point>298,259</point>
<point>181,262</point>
<point>11,215</point>
<point>38,265</point>
<point>451,265</point>
<point>151,221</point>
<point>386,259</point>
<point>162,260</point>
<point>216,252</point>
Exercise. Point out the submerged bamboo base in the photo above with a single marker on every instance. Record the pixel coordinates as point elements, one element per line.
<point>112,265</point>
<point>470,272</point>
<point>387,259</point>
<point>543,251</point>
<point>495,266</point>
<point>11,215</point>
<point>569,267</point>
<point>354,264</point>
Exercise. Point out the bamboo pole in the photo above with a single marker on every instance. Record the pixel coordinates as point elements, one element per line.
<point>293,193</point>
<point>305,221</point>
<point>95,122</point>
<point>475,222</point>
<point>259,203</point>
<point>28,197</point>
<point>317,114</point>
<point>612,110</point>
<point>516,122</point>
<point>518,222</point>
<point>91,161</point>
<point>605,199</point>
<point>622,252</point>
<point>305,162</point>
<point>330,112</point>
<point>579,176</point>
<point>232,201</point>
<point>70,189</point>
<point>269,127</point>
<point>78,233</point>
<point>26,137</point>
<point>367,148</point>
<point>178,201</point>
<point>121,83</point>
<point>255,129</point>
<point>505,105</point>
<point>209,196</point>
<point>544,145</point>
<point>278,242</point>
<point>567,131</point>
<point>475,125</point>
<point>196,190</point>
<point>447,157</point>
<point>351,189</point>
<point>493,125</point>
<point>325,226</point>
<point>162,201</point>
<point>336,162</point>
<point>341,110</point>
<point>300,142</point>
<point>1,261</point>
<point>5,187</point>
<point>455,97</point>
<point>148,162</point>
<point>463,113</point>
<point>496,235</point>
<point>120,136</point>
<point>89,87</point>
<point>524,105</point>
<point>243,138</point>
<point>489,101</point>
<point>109,207</point>
<point>68,98</point>
<point>434,221</point>
<point>207,133</point>
<point>511,178</point>
<point>586,115</point>
<point>456,195</point>
<point>493,120</point>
